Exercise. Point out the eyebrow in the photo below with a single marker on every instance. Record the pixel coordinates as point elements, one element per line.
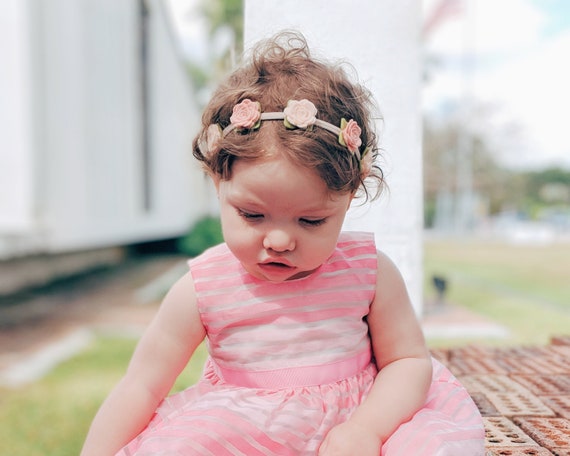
<point>247,199</point>
<point>307,212</point>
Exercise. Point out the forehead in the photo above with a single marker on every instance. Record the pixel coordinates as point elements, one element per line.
<point>276,181</point>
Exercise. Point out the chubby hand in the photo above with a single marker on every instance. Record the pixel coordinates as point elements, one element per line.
<point>349,439</point>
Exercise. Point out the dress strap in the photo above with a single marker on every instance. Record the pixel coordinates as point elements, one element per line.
<point>295,377</point>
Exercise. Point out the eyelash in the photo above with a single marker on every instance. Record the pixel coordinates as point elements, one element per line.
<point>312,223</point>
<point>249,216</point>
<point>256,217</point>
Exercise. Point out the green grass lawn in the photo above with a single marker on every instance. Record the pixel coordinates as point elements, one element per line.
<point>523,288</point>
<point>51,416</point>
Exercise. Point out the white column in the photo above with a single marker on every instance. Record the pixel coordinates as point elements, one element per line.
<point>380,38</point>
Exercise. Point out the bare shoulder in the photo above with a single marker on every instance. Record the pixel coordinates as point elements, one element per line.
<point>384,261</point>
<point>180,307</point>
<point>183,288</point>
<point>390,282</point>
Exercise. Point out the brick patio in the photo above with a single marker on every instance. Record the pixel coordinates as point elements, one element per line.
<point>523,394</point>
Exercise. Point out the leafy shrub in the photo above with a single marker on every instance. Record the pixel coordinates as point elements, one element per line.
<point>205,233</point>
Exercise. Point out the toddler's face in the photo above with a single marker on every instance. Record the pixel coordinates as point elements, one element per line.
<point>279,219</point>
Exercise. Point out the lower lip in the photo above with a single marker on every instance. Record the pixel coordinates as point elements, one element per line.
<point>273,270</point>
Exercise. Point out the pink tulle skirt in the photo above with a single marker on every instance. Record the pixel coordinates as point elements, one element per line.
<point>216,417</point>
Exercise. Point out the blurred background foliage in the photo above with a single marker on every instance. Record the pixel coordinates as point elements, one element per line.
<point>531,194</point>
<point>205,233</point>
<point>224,19</point>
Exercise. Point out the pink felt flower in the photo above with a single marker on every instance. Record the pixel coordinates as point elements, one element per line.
<point>350,135</point>
<point>246,114</point>
<point>213,138</point>
<point>300,113</point>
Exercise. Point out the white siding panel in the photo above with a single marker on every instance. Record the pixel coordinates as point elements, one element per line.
<point>16,143</point>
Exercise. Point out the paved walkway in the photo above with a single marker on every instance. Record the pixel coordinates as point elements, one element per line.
<point>43,328</point>
<point>455,322</point>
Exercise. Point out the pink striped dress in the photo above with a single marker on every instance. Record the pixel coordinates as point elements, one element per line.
<point>288,361</point>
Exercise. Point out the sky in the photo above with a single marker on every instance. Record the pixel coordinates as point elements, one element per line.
<point>506,64</point>
<point>513,88</point>
<point>192,28</point>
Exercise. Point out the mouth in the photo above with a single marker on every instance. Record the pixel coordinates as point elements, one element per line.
<point>277,265</point>
<point>279,268</point>
<point>278,271</point>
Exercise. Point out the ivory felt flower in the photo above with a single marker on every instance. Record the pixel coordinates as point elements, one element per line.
<point>300,114</point>
<point>366,162</point>
<point>213,138</point>
<point>350,135</point>
<point>246,115</point>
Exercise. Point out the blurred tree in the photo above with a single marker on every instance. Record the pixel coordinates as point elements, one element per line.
<point>529,193</point>
<point>225,19</point>
<point>441,169</point>
<point>223,14</point>
<point>551,185</point>
<point>459,161</point>
<point>543,189</point>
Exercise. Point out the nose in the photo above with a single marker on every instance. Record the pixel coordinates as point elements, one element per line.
<point>278,240</point>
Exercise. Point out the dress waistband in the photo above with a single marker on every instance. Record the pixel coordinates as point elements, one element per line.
<point>295,377</point>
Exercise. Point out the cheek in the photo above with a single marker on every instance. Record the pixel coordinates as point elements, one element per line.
<point>242,248</point>
<point>324,245</point>
<point>230,228</point>
<point>239,239</point>
<point>324,250</point>
<point>317,249</point>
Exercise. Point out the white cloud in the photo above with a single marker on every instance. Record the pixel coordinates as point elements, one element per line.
<point>534,90</point>
<point>506,25</point>
<point>518,71</point>
<point>489,26</point>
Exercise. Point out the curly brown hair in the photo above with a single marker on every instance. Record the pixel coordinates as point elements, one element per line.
<point>282,69</point>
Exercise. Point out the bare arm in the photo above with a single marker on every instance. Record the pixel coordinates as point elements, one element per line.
<point>160,356</point>
<point>401,386</point>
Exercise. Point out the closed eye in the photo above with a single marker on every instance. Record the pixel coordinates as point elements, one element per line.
<point>250,216</point>
<point>312,222</point>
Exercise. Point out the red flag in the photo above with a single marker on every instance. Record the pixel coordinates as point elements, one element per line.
<point>443,10</point>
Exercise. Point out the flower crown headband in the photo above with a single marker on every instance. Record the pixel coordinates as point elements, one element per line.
<point>247,116</point>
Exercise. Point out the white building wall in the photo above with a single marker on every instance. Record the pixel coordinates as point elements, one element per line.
<point>100,198</point>
<point>72,171</point>
<point>381,39</point>
<point>16,148</point>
